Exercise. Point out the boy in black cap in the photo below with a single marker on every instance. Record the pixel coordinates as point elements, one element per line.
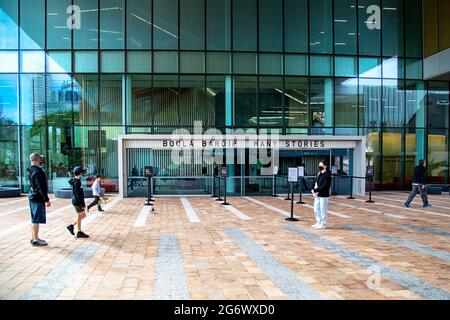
<point>78,202</point>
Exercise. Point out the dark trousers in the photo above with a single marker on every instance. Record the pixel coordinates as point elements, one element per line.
<point>95,202</point>
<point>418,188</point>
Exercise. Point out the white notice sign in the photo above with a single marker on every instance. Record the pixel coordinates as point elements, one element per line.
<point>293,175</point>
<point>301,171</point>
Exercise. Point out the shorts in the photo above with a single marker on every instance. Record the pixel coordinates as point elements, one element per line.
<point>38,213</point>
<point>79,209</point>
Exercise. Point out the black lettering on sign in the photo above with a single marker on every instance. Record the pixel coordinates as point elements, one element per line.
<point>322,144</point>
<point>165,143</point>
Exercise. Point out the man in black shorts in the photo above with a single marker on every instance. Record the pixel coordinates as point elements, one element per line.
<point>78,202</point>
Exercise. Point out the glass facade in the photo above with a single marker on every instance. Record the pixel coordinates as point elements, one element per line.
<point>76,74</point>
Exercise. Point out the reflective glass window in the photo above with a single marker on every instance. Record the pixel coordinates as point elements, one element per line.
<point>32,99</point>
<point>296,65</point>
<point>165,62</point>
<point>270,25</point>
<point>113,61</point>
<point>165,99</point>
<point>296,18</point>
<point>321,26</point>
<point>345,66</point>
<point>32,24</point>
<point>9,61</point>
<point>218,62</point>
<point>85,99</point>
<point>165,27</point>
<point>245,97</point>
<point>9,28</point>
<point>370,68</point>
<point>111,104</point>
<point>271,64</point>
<point>8,99</point>
<point>218,24</point>
<point>216,99</point>
<point>139,61</point>
<point>87,36</point>
<point>244,63</point>
<point>321,65</point>
<point>413,31</point>
<point>346,102</point>
<point>140,109</point>
<point>369,15</point>
<point>296,102</point>
<point>59,62</point>
<point>345,38</point>
<point>59,99</point>
<point>244,25</point>
<point>112,18</point>
<point>369,103</point>
<point>438,105</point>
<point>321,105</point>
<point>393,103</point>
<point>139,24</point>
<point>192,101</point>
<point>9,156</point>
<point>32,61</point>
<point>393,30</point>
<point>59,36</point>
<point>192,24</point>
<point>271,101</point>
<point>392,158</point>
<point>86,61</point>
<point>192,62</point>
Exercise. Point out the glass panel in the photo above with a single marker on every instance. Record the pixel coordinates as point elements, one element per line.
<point>165,28</point>
<point>244,25</point>
<point>271,101</point>
<point>270,25</point>
<point>369,103</point>
<point>369,27</point>
<point>296,102</point>
<point>244,63</point>
<point>140,110</point>
<point>59,99</point>
<point>86,61</point>
<point>321,27</point>
<point>393,103</point>
<point>165,62</point>
<point>9,29</point>
<point>216,98</point>
<point>60,155</point>
<point>416,106</point>
<point>111,100</point>
<point>113,61</point>
<point>8,99</point>
<point>32,24</point>
<point>392,159</point>
<point>87,36</point>
<point>139,24</point>
<point>192,101</point>
<point>414,69</point>
<point>109,157</point>
<point>33,138</point>
<point>218,24</point>
<point>271,64</point>
<point>370,68</point>
<point>373,146</point>
<point>112,24</point>
<point>32,61</point>
<point>218,62</point>
<point>345,66</point>
<point>414,151</point>
<point>9,61</point>
<point>245,110</point>
<point>59,62</point>
<point>413,30</point>
<point>192,24</point>
<point>9,157</point>
<point>139,61</point>
<point>438,151</point>
<point>321,105</point>
<point>438,105</point>
<point>321,65</point>
<point>59,36</point>
<point>85,96</point>
<point>295,19</point>
<point>296,65</point>
<point>192,62</point>
<point>393,36</point>
<point>87,144</point>
<point>346,102</point>
<point>393,68</point>
<point>165,101</point>
<point>345,27</point>
<point>32,99</point>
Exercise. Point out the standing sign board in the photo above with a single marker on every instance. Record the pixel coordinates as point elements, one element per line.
<point>275,170</point>
<point>301,171</point>
<point>293,175</point>
<point>334,169</point>
<point>224,172</point>
<point>369,171</point>
<point>148,171</point>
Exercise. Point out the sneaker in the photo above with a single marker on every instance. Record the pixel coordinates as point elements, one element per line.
<point>101,210</point>
<point>43,242</point>
<point>37,243</point>
<point>81,234</point>
<point>70,227</point>
<point>407,206</point>
<point>321,227</point>
<point>428,206</point>
<point>315,225</point>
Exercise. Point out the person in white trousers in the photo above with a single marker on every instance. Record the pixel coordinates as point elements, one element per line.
<point>321,193</point>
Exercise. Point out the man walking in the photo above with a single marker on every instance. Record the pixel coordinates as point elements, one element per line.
<point>419,185</point>
<point>97,193</point>
<point>321,194</point>
<point>38,198</point>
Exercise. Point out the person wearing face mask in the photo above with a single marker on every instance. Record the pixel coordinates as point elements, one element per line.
<point>38,198</point>
<point>419,185</point>
<point>321,193</point>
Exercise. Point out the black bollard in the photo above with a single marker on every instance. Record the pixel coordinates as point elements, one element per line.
<point>351,189</point>
<point>274,186</point>
<point>291,218</point>
<point>289,192</point>
<point>149,193</point>
<point>219,198</point>
<point>213,195</point>
<point>225,203</point>
<point>370,191</point>
<point>300,200</point>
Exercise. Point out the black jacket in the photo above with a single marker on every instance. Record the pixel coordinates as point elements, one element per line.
<point>420,175</point>
<point>38,185</point>
<point>77,192</point>
<point>323,181</point>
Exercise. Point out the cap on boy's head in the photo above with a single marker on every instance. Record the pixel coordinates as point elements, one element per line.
<point>97,176</point>
<point>78,170</point>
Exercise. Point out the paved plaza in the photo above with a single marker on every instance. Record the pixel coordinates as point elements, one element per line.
<point>194,248</point>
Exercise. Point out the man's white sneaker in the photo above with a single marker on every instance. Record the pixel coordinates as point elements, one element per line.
<point>315,225</point>
<point>321,227</point>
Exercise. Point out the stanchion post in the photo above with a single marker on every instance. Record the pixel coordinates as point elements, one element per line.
<point>292,178</point>
<point>291,218</point>
<point>213,189</point>
<point>370,191</point>
<point>300,200</point>
<point>149,175</point>
<point>225,203</point>
<point>351,189</point>
<point>274,186</point>
<point>220,193</point>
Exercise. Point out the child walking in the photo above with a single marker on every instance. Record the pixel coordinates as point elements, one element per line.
<point>97,192</point>
<point>78,202</point>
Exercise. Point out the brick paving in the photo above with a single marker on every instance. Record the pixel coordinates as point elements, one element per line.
<point>171,251</point>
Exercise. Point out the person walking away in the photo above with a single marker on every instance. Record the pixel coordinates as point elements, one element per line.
<point>97,193</point>
<point>78,202</point>
<point>419,185</point>
<point>321,193</point>
<point>38,198</point>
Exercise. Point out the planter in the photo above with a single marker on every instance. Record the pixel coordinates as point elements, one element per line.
<point>66,193</point>
<point>10,192</point>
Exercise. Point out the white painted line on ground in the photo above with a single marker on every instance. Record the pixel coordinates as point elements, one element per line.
<point>95,215</point>
<point>28,222</point>
<point>268,206</point>
<point>142,218</point>
<point>398,207</point>
<point>396,216</point>
<point>190,212</point>
<point>237,213</point>
<point>334,213</point>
